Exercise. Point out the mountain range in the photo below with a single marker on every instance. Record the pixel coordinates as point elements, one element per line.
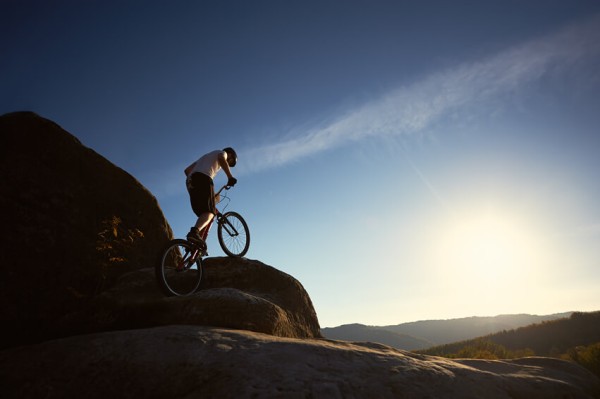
<point>427,333</point>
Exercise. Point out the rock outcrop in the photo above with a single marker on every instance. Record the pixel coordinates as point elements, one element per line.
<point>202,362</point>
<point>72,224</point>
<point>235,293</point>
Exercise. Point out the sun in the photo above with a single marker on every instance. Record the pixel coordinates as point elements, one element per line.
<point>488,249</point>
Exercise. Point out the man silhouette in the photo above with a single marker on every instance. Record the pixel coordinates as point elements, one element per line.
<point>200,187</point>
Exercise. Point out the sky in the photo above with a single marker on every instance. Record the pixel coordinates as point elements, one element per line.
<point>403,160</point>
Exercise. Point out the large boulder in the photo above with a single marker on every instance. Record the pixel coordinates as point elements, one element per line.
<point>83,239</point>
<point>202,362</point>
<point>235,293</point>
<point>72,224</point>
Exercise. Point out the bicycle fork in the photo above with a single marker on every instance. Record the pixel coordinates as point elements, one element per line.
<point>227,226</point>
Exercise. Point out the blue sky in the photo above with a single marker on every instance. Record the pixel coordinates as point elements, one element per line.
<point>403,160</point>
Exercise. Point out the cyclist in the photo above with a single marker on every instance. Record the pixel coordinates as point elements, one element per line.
<point>200,187</point>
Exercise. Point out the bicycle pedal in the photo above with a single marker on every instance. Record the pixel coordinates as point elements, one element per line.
<point>203,249</point>
<point>197,242</point>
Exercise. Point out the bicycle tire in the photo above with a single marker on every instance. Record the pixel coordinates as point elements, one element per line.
<point>233,234</point>
<point>175,275</point>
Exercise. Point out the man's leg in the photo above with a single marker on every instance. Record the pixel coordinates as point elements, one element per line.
<point>202,200</point>
<point>203,220</point>
<point>201,223</point>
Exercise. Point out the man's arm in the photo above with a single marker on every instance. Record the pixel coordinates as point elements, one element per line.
<point>224,165</point>
<point>188,170</point>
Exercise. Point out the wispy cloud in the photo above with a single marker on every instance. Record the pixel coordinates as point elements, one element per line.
<point>413,108</point>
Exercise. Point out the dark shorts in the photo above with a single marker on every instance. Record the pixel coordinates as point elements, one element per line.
<point>202,194</point>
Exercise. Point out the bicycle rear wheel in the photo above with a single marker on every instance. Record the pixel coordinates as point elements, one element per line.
<point>179,269</point>
<point>233,234</point>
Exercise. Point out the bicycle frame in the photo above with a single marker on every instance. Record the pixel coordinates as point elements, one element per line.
<point>180,256</point>
<point>218,214</point>
<point>189,259</point>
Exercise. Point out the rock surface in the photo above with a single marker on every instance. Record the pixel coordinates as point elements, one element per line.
<point>235,293</point>
<point>73,223</point>
<point>203,362</point>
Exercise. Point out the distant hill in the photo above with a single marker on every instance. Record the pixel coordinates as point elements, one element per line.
<point>446,331</point>
<point>362,333</point>
<point>549,338</point>
<point>427,333</point>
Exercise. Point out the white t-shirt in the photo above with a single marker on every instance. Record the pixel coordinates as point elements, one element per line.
<point>208,164</point>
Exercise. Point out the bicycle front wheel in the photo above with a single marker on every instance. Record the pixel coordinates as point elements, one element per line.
<point>233,234</point>
<point>179,269</point>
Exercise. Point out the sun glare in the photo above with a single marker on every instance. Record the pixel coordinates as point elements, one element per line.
<point>488,249</point>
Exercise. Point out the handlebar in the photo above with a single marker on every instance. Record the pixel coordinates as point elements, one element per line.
<point>225,187</point>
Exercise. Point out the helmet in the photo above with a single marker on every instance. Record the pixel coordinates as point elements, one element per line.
<point>231,156</point>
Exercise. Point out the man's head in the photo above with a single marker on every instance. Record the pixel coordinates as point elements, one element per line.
<point>231,156</point>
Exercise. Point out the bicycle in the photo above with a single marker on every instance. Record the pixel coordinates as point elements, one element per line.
<point>179,270</point>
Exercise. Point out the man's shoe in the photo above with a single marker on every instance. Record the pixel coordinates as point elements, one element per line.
<point>194,237</point>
